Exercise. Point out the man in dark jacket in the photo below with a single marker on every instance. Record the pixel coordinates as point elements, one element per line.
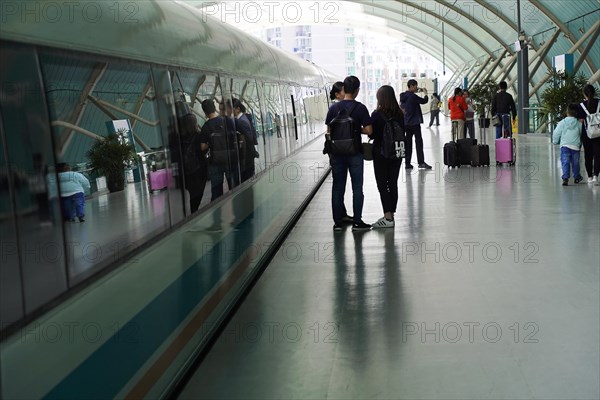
<point>502,105</point>
<point>410,103</point>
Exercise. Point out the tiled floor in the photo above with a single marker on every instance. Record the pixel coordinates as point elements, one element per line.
<point>487,287</point>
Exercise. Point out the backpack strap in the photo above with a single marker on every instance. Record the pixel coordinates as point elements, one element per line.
<point>585,109</point>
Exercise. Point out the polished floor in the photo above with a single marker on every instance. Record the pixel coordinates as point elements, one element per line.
<point>486,288</point>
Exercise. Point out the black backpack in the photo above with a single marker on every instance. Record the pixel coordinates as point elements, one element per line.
<point>222,145</point>
<point>343,133</point>
<point>191,158</point>
<point>393,140</point>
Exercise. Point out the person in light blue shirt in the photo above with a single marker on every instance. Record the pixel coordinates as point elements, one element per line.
<point>72,192</point>
<point>568,135</point>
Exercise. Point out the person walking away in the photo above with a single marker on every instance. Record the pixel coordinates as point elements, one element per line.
<point>591,147</point>
<point>72,192</point>
<point>434,110</point>
<point>568,135</point>
<point>503,105</point>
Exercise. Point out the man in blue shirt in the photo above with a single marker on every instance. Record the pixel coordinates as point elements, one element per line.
<point>342,164</point>
<point>410,103</point>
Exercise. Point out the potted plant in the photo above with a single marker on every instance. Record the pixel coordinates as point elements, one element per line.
<point>109,157</point>
<point>556,97</point>
<point>482,95</point>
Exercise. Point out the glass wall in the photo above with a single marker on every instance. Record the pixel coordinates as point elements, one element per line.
<point>95,159</point>
<point>87,101</point>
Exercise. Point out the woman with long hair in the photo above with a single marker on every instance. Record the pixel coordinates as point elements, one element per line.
<point>591,147</point>
<point>386,170</point>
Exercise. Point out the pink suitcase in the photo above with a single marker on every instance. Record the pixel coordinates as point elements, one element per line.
<point>505,151</point>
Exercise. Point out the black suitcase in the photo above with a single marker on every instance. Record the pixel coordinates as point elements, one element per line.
<point>464,150</point>
<point>480,153</point>
<point>451,158</point>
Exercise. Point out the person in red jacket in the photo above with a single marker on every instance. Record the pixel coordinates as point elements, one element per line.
<point>457,107</point>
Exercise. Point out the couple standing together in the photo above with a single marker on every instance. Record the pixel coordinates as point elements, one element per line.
<point>386,170</point>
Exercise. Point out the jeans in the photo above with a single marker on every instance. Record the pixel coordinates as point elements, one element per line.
<point>73,206</point>
<point>569,159</point>
<point>414,130</point>
<point>215,174</point>
<point>340,166</point>
<point>386,175</point>
<point>505,126</point>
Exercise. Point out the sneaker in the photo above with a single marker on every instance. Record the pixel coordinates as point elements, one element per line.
<point>596,181</point>
<point>360,226</point>
<point>383,223</point>
<point>346,219</point>
<point>424,166</point>
<point>338,227</point>
<point>577,180</point>
<point>409,166</point>
<point>81,219</point>
<point>590,180</point>
<point>565,182</point>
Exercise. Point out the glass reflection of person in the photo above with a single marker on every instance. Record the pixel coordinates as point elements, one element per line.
<point>245,127</point>
<point>195,180</point>
<point>216,170</point>
<point>72,192</point>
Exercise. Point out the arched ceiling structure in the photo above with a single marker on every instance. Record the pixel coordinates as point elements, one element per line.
<point>475,38</point>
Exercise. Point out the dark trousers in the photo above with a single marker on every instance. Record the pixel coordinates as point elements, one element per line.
<point>195,183</point>
<point>414,130</point>
<point>340,167</point>
<point>216,173</point>
<point>386,175</point>
<point>435,114</point>
<point>591,153</point>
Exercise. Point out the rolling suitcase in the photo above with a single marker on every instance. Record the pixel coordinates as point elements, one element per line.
<point>464,150</point>
<point>480,153</point>
<point>505,151</point>
<point>451,156</point>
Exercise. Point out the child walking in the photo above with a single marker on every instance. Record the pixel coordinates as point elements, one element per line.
<point>568,135</point>
<point>72,192</point>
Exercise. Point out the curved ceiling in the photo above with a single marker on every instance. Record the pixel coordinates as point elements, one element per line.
<point>478,35</point>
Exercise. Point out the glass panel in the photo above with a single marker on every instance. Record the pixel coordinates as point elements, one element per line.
<point>126,202</point>
<point>28,152</point>
<point>186,90</point>
<point>275,148</point>
<point>11,286</point>
<point>246,107</point>
<point>170,134</point>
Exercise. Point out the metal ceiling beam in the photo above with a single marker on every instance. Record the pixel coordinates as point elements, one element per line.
<point>401,26</point>
<point>484,64</point>
<point>452,24</point>
<point>95,75</point>
<point>543,52</point>
<point>588,48</point>
<point>572,49</point>
<point>563,27</point>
